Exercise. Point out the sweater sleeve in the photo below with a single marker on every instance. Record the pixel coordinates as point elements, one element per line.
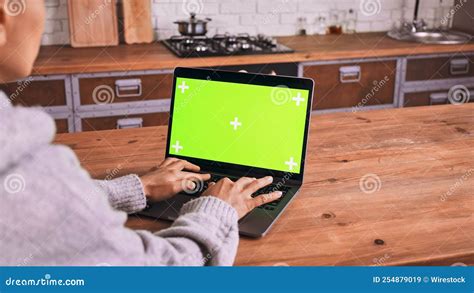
<point>124,193</point>
<point>89,231</point>
<point>212,224</point>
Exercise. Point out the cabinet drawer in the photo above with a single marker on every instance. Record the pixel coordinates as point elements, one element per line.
<point>122,89</point>
<point>104,123</point>
<point>352,84</point>
<point>434,98</point>
<point>45,93</point>
<point>62,125</point>
<point>440,68</point>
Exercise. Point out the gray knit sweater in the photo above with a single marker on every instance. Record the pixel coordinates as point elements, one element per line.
<point>53,213</point>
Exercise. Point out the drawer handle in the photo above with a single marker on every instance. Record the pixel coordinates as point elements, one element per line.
<point>459,66</point>
<point>129,123</point>
<point>126,88</point>
<point>438,98</point>
<point>349,74</point>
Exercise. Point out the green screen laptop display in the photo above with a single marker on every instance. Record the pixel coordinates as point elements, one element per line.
<point>244,124</point>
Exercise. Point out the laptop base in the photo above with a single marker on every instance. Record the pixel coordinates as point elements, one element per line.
<point>255,224</point>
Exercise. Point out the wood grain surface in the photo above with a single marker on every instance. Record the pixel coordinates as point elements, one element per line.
<point>63,59</point>
<point>387,187</point>
<point>93,23</point>
<point>137,25</point>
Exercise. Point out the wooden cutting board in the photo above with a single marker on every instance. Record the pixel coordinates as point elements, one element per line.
<point>93,23</point>
<point>137,21</point>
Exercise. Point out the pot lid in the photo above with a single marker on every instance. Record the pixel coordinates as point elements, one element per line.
<point>193,19</point>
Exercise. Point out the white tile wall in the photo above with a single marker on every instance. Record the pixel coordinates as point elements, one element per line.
<point>272,17</point>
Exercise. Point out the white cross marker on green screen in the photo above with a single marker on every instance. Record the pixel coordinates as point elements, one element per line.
<point>291,163</point>
<point>183,87</point>
<point>236,123</point>
<point>298,99</point>
<point>177,147</point>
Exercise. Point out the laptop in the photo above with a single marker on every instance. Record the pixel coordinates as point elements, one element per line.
<point>235,124</point>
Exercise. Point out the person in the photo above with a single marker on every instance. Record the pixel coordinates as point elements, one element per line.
<point>53,213</point>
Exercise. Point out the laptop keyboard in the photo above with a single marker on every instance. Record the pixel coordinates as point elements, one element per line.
<point>267,189</point>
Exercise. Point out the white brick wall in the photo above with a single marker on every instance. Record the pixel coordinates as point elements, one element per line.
<point>272,17</point>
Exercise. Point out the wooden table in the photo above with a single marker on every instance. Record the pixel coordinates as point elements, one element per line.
<point>418,211</point>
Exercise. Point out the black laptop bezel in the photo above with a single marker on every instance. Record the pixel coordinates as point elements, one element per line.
<point>248,78</point>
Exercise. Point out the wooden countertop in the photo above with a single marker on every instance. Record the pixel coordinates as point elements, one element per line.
<point>421,214</point>
<point>66,60</point>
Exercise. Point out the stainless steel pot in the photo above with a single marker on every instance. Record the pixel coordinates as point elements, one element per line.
<point>193,26</point>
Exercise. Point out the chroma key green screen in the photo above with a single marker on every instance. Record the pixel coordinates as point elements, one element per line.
<point>251,125</point>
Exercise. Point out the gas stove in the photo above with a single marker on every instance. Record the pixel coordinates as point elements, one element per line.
<point>224,45</point>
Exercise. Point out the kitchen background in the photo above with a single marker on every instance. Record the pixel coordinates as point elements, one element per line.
<point>275,18</point>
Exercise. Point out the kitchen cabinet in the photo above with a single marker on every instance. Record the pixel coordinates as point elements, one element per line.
<point>127,120</point>
<point>102,99</point>
<point>429,68</point>
<point>124,88</point>
<point>52,93</point>
<point>437,79</point>
<point>354,72</point>
<point>352,83</point>
<point>433,98</point>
